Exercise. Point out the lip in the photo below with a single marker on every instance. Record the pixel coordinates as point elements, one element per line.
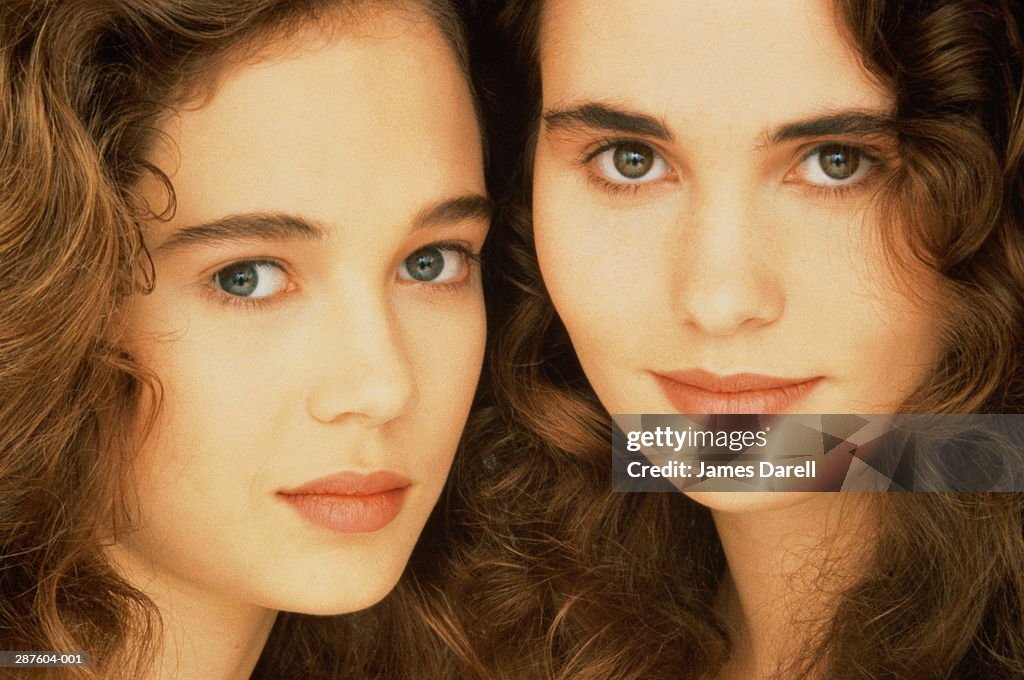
<point>350,502</point>
<point>701,392</point>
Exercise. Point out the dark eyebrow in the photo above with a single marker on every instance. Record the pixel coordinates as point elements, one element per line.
<point>459,209</point>
<point>842,123</point>
<point>599,116</point>
<point>284,227</point>
<point>245,227</point>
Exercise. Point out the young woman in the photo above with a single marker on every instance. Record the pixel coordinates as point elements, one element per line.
<point>241,331</point>
<point>804,206</point>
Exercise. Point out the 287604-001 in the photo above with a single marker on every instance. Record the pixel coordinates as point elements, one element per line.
<point>43,659</point>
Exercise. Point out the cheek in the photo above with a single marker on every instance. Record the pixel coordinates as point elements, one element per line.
<point>610,274</point>
<point>900,351</point>
<point>224,395</point>
<point>579,275</point>
<point>445,342</point>
<point>878,332</point>
<point>597,268</point>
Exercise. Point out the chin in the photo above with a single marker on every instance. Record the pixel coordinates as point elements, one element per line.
<point>337,589</point>
<point>750,501</point>
<point>347,603</point>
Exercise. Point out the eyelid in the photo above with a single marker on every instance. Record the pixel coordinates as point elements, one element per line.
<point>220,296</point>
<point>463,248</point>
<point>809,150</point>
<point>875,157</point>
<point>605,143</point>
<point>872,152</point>
<point>593,151</point>
<point>208,272</point>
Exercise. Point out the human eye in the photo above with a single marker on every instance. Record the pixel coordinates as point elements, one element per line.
<point>249,281</point>
<point>835,165</point>
<point>627,164</point>
<point>438,263</point>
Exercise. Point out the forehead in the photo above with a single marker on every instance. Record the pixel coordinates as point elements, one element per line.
<point>378,109</point>
<point>731,62</point>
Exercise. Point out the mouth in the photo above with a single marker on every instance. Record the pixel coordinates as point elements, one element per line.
<point>699,392</point>
<point>350,502</point>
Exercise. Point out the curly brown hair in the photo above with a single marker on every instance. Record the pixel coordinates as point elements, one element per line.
<point>596,585</point>
<point>83,87</point>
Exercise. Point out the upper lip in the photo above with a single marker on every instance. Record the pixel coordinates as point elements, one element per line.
<point>731,384</point>
<point>351,483</point>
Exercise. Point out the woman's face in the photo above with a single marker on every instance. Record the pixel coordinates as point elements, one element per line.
<point>702,209</point>
<point>317,323</point>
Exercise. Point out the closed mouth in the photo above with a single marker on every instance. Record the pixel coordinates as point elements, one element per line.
<point>696,391</point>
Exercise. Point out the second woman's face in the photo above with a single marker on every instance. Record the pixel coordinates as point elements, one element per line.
<point>702,210</point>
<point>317,323</point>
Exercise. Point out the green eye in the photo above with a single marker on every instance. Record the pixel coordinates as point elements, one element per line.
<point>433,264</point>
<point>425,264</point>
<point>250,279</point>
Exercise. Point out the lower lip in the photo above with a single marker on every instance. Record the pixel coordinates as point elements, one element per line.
<point>689,399</point>
<point>349,514</point>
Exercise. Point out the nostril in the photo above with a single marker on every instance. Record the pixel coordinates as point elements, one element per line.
<point>378,396</point>
<point>731,308</point>
<point>365,375</point>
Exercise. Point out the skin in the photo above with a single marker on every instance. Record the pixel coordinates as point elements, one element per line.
<point>733,253</point>
<point>338,360</point>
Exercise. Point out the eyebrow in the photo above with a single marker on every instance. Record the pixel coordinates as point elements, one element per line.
<point>274,226</point>
<point>841,123</point>
<point>470,207</point>
<point>259,226</point>
<point>601,116</point>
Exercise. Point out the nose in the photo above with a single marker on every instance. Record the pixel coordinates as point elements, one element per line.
<point>363,371</point>
<point>729,275</point>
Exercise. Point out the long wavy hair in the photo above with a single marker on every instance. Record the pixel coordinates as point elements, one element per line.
<point>83,89</point>
<point>595,585</point>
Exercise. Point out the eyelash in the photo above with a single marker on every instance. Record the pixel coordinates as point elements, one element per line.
<point>614,188</point>
<point>634,188</point>
<point>256,304</point>
<point>839,190</point>
<point>472,258</point>
<point>241,302</point>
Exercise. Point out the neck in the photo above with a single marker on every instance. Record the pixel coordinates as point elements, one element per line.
<point>207,640</point>
<point>204,635</point>
<point>787,569</point>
